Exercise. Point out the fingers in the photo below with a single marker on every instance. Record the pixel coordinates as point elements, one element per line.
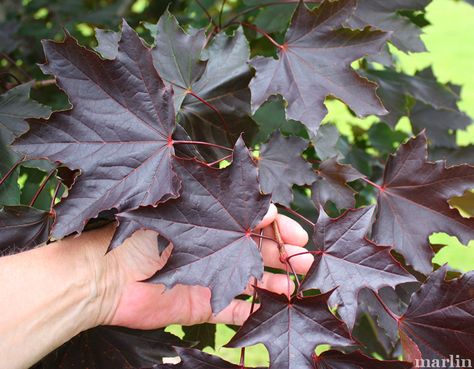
<point>277,283</point>
<point>268,218</point>
<point>290,230</point>
<point>271,257</point>
<point>236,313</point>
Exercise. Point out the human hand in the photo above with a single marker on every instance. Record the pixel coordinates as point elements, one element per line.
<point>131,303</point>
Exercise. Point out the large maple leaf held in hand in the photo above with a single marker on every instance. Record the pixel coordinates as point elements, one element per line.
<point>314,62</point>
<point>117,132</point>
<point>413,203</point>
<point>292,329</point>
<point>349,262</point>
<point>439,321</point>
<point>210,227</point>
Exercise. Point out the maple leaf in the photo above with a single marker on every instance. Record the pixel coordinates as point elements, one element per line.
<point>291,329</point>
<point>355,360</point>
<point>316,45</point>
<point>23,227</point>
<point>331,184</point>
<point>413,203</point>
<point>429,104</point>
<point>210,226</point>
<point>113,348</point>
<point>281,166</point>
<point>348,261</point>
<point>195,359</point>
<point>383,325</point>
<point>117,133</point>
<point>212,95</point>
<point>203,334</point>
<point>441,125</point>
<point>107,43</point>
<point>15,107</point>
<point>439,322</point>
<point>464,203</point>
<point>177,55</point>
<point>453,156</point>
<point>384,15</point>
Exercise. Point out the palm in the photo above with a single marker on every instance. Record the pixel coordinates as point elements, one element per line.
<point>149,306</point>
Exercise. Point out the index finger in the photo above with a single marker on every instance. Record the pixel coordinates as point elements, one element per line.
<point>268,218</point>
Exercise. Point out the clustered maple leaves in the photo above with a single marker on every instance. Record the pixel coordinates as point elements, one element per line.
<point>143,145</point>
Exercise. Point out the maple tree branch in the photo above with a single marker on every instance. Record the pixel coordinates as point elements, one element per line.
<point>385,307</point>
<point>179,142</point>
<point>41,187</point>
<point>373,184</point>
<point>208,15</point>
<point>295,213</point>
<point>263,33</point>
<point>11,170</point>
<point>283,254</point>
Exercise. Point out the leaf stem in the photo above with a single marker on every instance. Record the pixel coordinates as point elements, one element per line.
<point>262,32</point>
<point>386,308</point>
<point>53,200</point>
<point>219,160</point>
<point>373,184</point>
<point>201,143</point>
<point>295,213</point>
<point>317,252</point>
<point>208,15</point>
<point>256,7</point>
<point>41,188</point>
<point>10,171</point>
<point>212,107</point>
<point>220,13</point>
<point>252,306</point>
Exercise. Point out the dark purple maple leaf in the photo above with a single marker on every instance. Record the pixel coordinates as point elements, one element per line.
<point>384,15</point>
<point>428,103</point>
<point>439,321</point>
<point>117,133</point>
<point>281,166</point>
<point>355,360</point>
<point>212,95</point>
<point>177,55</point>
<point>413,203</point>
<point>292,329</point>
<point>23,227</point>
<point>316,45</point>
<point>331,184</point>
<point>347,261</point>
<point>210,226</point>
<point>195,359</point>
